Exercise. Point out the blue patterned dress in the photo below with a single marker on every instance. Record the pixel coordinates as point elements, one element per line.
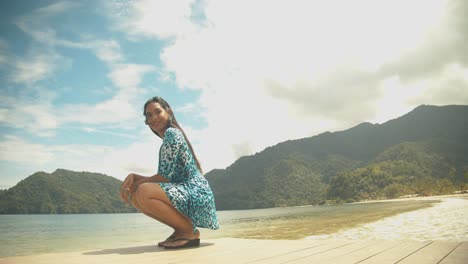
<point>187,188</point>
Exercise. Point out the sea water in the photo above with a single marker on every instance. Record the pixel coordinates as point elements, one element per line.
<point>38,234</point>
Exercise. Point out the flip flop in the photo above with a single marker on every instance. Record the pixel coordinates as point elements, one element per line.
<point>190,243</point>
<point>169,239</point>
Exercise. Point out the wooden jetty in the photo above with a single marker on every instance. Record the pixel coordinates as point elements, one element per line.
<point>234,250</point>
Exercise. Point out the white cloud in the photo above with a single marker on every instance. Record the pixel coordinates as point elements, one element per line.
<point>399,96</point>
<point>41,116</point>
<point>160,18</point>
<point>43,63</point>
<point>34,115</point>
<point>450,87</point>
<point>112,111</point>
<point>107,51</point>
<point>114,161</point>
<point>140,157</point>
<point>16,149</point>
<point>55,8</point>
<point>269,71</point>
<point>37,66</point>
<point>3,52</point>
<point>120,108</point>
<point>127,77</point>
<point>32,108</point>
<point>109,132</point>
<point>35,23</point>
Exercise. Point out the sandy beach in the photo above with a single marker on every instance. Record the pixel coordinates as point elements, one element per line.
<point>419,198</point>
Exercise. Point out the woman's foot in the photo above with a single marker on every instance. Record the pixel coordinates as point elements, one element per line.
<point>188,239</point>
<point>169,239</point>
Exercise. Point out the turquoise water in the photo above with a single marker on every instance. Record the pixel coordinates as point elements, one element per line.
<point>37,234</point>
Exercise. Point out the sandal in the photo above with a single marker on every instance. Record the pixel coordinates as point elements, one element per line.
<point>169,239</point>
<point>190,243</point>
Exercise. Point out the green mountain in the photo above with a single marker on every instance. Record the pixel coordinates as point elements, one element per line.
<point>64,192</point>
<point>423,152</point>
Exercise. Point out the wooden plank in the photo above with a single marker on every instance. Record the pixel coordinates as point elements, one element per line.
<point>67,257</point>
<point>361,254</point>
<point>211,250</point>
<point>321,257</point>
<point>299,253</point>
<point>208,250</point>
<point>230,250</point>
<point>433,253</point>
<point>224,247</point>
<point>457,256</point>
<point>393,255</point>
<point>144,254</point>
<point>261,250</point>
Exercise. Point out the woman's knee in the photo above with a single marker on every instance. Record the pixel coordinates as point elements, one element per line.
<point>150,191</point>
<point>134,201</point>
<point>140,193</point>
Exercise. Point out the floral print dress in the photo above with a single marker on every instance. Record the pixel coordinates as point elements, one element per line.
<point>187,188</point>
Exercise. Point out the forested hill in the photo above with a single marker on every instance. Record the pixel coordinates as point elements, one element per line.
<point>64,192</point>
<point>423,152</point>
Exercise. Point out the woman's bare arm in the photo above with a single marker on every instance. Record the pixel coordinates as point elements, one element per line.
<point>143,179</point>
<point>134,180</point>
<point>154,178</point>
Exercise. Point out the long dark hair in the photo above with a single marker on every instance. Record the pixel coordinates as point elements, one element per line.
<point>172,123</point>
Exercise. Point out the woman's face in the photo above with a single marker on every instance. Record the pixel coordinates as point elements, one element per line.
<point>156,117</point>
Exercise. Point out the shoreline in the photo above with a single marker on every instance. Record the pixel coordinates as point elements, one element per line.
<point>445,220</point>
<point>417,198</point>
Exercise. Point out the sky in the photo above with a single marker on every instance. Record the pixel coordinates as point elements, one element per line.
<point>240,75</point>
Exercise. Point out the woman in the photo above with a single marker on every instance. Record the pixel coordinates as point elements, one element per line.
<point>178,195</point>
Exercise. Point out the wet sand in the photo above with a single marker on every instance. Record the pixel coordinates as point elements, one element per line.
<point>418,198</point>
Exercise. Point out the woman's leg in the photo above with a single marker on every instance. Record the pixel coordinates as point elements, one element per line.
<point>138,206</point>
<point>135,204</point>
<point>153,200</point>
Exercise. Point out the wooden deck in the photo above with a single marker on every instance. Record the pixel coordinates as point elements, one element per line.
<point>230,250</point>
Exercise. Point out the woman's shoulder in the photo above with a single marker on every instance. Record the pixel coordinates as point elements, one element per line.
<point>172,132</point>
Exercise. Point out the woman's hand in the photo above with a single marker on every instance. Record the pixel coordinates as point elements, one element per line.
<point>127,186</point>
<point>130,185</point>
<point>133,181</point>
